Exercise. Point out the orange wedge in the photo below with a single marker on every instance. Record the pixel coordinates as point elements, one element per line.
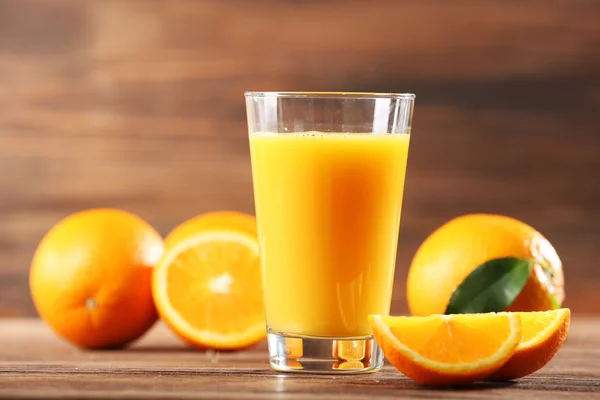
<point>544,333</point>
<point>228,220</point>
<point>448,349</point>
<point>207,289</point>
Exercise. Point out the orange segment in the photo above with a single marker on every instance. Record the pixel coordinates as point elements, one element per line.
<point>543,335</point>
<point>448,349</point>
<point>208,289</point>
<point>538,326</point>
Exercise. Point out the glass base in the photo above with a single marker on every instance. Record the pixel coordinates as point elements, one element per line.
<point>309,354</point>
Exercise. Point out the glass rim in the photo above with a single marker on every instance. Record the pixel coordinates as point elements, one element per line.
<point>333,95</point>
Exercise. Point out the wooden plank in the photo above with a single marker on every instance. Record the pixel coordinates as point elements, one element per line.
<point>138,104</point>
<point>35,364</point>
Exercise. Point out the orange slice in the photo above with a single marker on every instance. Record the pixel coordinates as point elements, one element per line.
<point>227,220</point>
<point>544,333</point>
<point>448,349</point>
<point>207,288</point>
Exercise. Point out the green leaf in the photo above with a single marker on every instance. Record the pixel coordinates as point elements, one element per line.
<point>491,287</point>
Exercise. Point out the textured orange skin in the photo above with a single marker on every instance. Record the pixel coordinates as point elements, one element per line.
<point>103,255</point>
<point>459,246</point>
<point>529,360</point>
<point>432,377</point>
<point>229,220</point>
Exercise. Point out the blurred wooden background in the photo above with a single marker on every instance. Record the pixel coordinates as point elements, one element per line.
<point>139,105</point>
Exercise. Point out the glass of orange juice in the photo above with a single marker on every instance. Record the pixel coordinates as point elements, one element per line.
<point>328,173</point>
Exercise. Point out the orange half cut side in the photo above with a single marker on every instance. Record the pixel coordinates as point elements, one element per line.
<point>208,290</point>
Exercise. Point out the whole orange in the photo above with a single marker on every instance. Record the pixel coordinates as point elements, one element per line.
<point>460,245</point>
<point>90,278</point>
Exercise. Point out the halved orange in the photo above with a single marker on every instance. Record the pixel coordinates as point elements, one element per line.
<point>448,349</point>
<point>544,333</point>
<point>213,220</point>
<point>207,289</point>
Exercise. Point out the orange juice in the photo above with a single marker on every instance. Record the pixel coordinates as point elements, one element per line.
<point>328,209</point>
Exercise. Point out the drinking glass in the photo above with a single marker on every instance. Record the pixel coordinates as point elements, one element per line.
<point>328,174</point>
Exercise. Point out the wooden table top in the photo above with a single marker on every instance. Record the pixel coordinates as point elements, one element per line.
<point>35,364</point>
